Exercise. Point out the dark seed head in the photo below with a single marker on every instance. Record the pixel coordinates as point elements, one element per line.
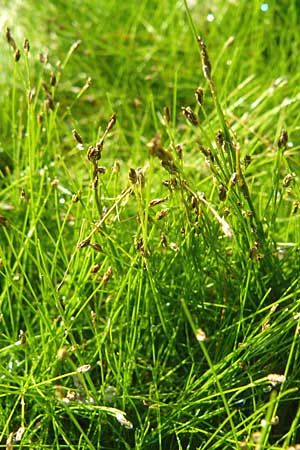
<point>22,337</point>
<point>206,152</point>
<point>206,66</point>
<point>233,179</point>
<point>44,58</point>
<point>94,153</point>
<point>84,243</point>
<point>26,45</point>
<point>40,118</point>
<point>199,95</point>
<point>17,55</point>
<point>77,136</point>
<point>220,138</point>
<point>162,213</point>
<point>189,115</point>
<point>108,274</point>
<point>111,122</point>
<point>288,179</point>
<point>116,167</point>
<point>10,39</point>
<point>49,104</point>
<point>295,207</point>
<point>167,117</point>
<point>96,247</point>
<point>163,240</point>
<point>179,150</point>
<point>53,79</point>
<point>283,139</point>
<point>222,192</point>
<point>247,160</point>
<point>101,170</point>
<point>132,175</point>
<point>95,268</point>
<point>30,95</point>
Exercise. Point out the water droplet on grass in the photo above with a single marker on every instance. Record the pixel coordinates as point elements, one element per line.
<point>264,7</point>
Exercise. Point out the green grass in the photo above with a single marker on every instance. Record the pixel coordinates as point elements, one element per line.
<point>154,303</point>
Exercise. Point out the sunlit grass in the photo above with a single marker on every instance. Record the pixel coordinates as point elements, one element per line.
<point>149,238</point>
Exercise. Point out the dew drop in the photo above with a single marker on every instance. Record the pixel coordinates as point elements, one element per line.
<point>264,7</point>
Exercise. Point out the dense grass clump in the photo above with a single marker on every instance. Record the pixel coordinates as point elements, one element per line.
<point>149,225</point>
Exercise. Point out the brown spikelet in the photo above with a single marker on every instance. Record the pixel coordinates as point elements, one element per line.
<point>233,179</point>
<point>163,240</point>
<point>247,160</point>
<point>199,95</point>
<point>54,182</point>
<point>46,88</point>
<point>116,167</point>
<point>295,207</point>
<point>44,58</point>
<point>108,274</point>
<point>95,181</point>
<point>30,95</point>
<point>94,318</point>
<point>26,45</point>
<point>17,55</point>
<point>84,243</point>
<point>154,145</point>
<point>220,138</point>
<point>179,150</point>
<point>53,79</point>
<point>95,268</point>
<point>283,139</point>
<point>101,170</point>
<point>22,337</point>
<point>189,115</point>
<point>158,201</point>
<point>170,166</point>
<point>10,39</point>
<point>165,156</point>
<point>167,117</point>
<point>206,152</point>
<point>40,118</point>
<point>77,136</point>
<point>49,104</point>
<point>100,143</point>
<point>111,123</point>
<point>75,198</point>
<point>206,66</point>
<point>288,179</point>
<point>93,153</point>
<point>162,213</point>
<point>96,247</point>
<point>23,195</point>
<point>132,175</point>
<point>222,192</point>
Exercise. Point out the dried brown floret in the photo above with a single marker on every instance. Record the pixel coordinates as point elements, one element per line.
<point>190,115</point>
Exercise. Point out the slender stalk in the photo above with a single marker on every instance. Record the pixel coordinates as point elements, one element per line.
<point>211,366</point>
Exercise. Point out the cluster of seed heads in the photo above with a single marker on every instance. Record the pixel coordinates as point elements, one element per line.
<point>166,157</point>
